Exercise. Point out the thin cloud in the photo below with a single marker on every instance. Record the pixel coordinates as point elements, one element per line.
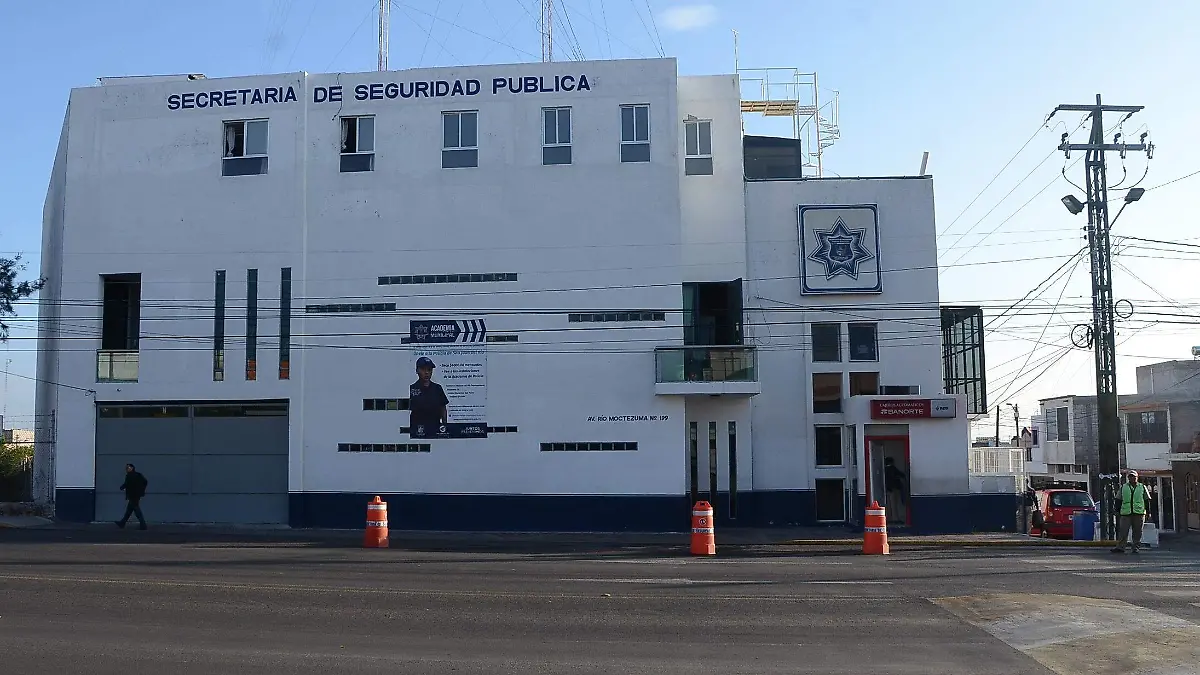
<point>688,17</point>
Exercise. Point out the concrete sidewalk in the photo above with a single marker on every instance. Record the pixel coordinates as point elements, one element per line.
<point>782,537</point>
<point>24,522</point>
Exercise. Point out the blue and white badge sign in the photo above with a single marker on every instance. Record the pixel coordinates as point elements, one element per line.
<point>839,249</point>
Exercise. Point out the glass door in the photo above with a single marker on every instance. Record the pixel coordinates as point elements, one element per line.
<point>1166,502</point>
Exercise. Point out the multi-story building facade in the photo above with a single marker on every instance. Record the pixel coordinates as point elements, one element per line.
<point>1065,450</point>
<point>247,271</point>
<point>1162,440</point>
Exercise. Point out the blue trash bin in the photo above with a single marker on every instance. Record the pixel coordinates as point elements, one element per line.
<point>1083,525</point>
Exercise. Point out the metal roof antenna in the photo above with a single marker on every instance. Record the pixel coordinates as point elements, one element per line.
<point>385,12</point>
<point>547,30</point>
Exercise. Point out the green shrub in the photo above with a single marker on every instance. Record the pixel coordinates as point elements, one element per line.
<point>15,458</point>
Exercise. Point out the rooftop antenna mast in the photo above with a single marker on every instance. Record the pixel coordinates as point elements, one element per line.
<point>385,11</point>
<point>547,30</point>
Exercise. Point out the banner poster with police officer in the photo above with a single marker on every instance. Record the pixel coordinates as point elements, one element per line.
<point>448,366</point>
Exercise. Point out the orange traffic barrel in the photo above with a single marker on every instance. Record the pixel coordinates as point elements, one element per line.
<point>377,525</point>
<point>704,536</point>
<point>875,531</point>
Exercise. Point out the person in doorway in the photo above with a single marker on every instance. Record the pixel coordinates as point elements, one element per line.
<point>134,488</point>
<point>896,485</point>
<point>1134,499</point>
<point>427,401</point>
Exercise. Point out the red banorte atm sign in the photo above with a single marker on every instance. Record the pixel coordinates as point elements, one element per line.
<point>912,408</point>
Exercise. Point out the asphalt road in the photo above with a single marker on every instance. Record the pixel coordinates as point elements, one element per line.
<point>134,602</point>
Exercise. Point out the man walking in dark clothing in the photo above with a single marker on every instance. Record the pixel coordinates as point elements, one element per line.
<point>134,488</point>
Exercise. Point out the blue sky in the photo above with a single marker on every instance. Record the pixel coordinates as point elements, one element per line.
<point>970,82</point>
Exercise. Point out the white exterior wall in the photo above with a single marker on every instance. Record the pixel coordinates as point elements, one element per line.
<point>939,462</point>
<point>146,195</point>
<point>1059,452</point>
<point>1147,456</point>
<point>714,207</point>
<point>1038,450</point>
<point>907,314</point>
<point>137,187</point>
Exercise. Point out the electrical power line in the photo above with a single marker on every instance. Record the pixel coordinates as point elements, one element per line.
<point>1174,180</point>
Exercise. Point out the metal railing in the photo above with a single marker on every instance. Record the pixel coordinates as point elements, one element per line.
<point>116,365</point>
<point>706,364</point>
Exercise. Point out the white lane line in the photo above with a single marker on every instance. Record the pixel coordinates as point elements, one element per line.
<point>727,561</point>
<point>853,583</point>
<point>666,581</point>
<point>680,581</point>
<point>225,586</point>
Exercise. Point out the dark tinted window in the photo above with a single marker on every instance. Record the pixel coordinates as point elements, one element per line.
<point>826,342</point>
<point>1070,499</point>
<point>863,345</point>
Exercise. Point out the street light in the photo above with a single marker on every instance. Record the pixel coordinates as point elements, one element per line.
<point>1131,196</point>
<point>1073,205</point>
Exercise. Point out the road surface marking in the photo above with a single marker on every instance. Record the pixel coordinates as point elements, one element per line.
<point>773,597</point>
<point>1073,634</point>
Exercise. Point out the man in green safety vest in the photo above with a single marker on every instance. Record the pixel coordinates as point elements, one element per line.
<point>1135,498</point>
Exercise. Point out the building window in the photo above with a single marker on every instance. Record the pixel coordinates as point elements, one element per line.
<point>617,446</point>
<point>864,341</point>
<point>251,324</point>
<point>460,139</point>
<point>501,338</point>
<point>827,392</point>
<point>900,390</point>
<point>1063,422</point>
<point>245,148</point>
<point>447,278</point>
<point>351,308</point>
<point>864,384</point>
<point>712,313</point>
<point>635,133</point>
<point>831,500</point>
<point>556,136</point>
<point>219,327</point>
<point>383,447</point>
<point>697,148</point>
<point>828,447</point>
<point>358,144</point>
<point>826,342</point>
<point>385,404</point>
<point>285,323</point>
<point>1147,427</point>
<point>120,328</point>
<point>604,317</point>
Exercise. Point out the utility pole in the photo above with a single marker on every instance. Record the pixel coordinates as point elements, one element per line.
<point>997,426</point>
<point>547,21</point>
<point>1016,419</point>
<point>1103,331</point>
<point>385,11</point>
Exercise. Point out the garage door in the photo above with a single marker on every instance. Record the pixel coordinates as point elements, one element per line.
<point>206,462</point>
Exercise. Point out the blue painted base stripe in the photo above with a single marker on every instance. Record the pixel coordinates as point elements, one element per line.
<point>940,514</point>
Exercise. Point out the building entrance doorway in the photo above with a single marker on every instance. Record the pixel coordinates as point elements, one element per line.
<point>1162,502</point>
<point>888,476</point>
<point>1192,500</point>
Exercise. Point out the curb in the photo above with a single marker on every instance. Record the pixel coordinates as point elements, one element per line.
<point>952,543</point>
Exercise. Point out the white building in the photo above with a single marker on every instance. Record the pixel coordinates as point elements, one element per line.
<point>245,270</point>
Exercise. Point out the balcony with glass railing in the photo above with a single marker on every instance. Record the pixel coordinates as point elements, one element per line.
<point>116,365</point>
<point>706,370</point>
